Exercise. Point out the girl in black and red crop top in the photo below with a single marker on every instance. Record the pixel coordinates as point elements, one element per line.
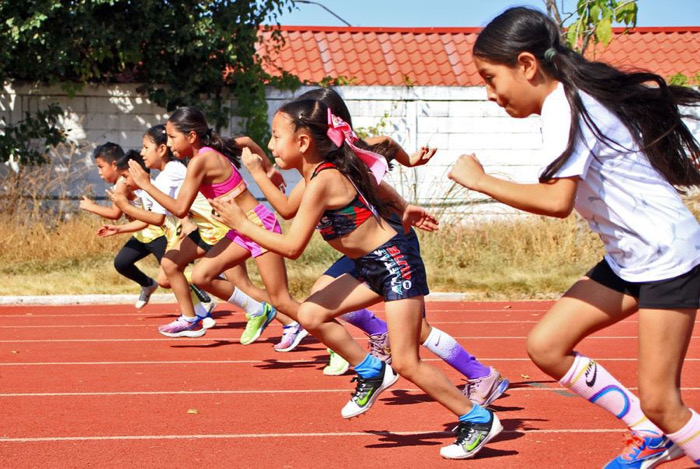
<point>338,193</point>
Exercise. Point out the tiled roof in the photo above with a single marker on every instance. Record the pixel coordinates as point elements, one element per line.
<point>442,56</point>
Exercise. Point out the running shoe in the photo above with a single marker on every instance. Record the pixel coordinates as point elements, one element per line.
<point>485,390</point>
<point>145,295</point>
<point>644,450</point>
<point>380,348</point>
<point>471,437</point>
<point>292,335</point>
<point>367,391</point>
<point>181,327</point>
<point>257,324</point>
<point>337,365</point>
<point>207,320</point>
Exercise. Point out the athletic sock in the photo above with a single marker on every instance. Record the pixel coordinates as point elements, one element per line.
<point>199,308</point>
<point>370,367</point>
<point>446,347</point>
<point>366,321</point>
<point>190,319</point>
<point>591,381</point>
<point>688,437</point>
<point>253,307</point>
<point>477,415</point>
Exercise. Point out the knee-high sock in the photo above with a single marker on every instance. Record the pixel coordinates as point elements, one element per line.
<point>199,308</point>
<point>251,306</point>
<point>688,437</point>
<point>446,347</point>
<point>594,383</point>
<point>366,321</point>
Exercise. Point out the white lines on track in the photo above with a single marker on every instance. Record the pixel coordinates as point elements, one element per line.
<point>263,362</point>
<point>236,339</point>
<point>283,435</point>
<point>526,388</point>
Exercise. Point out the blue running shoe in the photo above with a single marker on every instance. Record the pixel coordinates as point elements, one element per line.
<point>644,450</point>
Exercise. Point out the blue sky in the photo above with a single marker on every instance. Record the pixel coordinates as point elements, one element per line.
<point>453,13</point>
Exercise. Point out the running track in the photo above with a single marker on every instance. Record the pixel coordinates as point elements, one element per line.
<point>97,386</point>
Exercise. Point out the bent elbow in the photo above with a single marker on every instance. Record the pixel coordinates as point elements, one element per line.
<point>562,210</point>
<point>293,253</point>
<point>180,213</point>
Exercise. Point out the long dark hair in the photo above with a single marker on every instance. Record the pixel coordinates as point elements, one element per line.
<point>312,115</point>
<point>641,100</point>
<point>333,100</point>
<point>159,136</point>
<point>131,155</point>
<point>191,119</point>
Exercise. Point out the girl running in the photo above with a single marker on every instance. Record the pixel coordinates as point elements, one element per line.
<point>617,147</point>
<point>340,200</point>
<point>484,384</point>
<point>146,240</point>
<point>212,169</point>
<point>144,211</point>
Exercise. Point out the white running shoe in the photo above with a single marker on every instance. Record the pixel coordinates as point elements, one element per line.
<point>367,391</point>
<point>145,295</point>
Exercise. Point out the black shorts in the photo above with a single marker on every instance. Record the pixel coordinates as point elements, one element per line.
<point>394,270</point>
<point>194,236</point>
<point>345,265</point>
<point>675,293</point>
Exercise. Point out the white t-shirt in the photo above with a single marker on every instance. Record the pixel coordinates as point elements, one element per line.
<point>648,232</point>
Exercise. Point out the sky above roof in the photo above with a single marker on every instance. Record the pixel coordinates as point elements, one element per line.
<point>454,13</point>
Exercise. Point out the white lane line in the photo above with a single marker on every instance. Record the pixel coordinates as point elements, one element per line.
<point>526,388</point>
<point>236,339</point>
<point>264,361</point>
<point>284,435</point>
<point>85,326</point>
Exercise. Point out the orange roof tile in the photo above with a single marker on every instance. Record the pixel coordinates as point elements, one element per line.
<point>442,56</point>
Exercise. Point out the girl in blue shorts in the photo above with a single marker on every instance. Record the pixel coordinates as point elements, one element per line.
<point>340,200</point>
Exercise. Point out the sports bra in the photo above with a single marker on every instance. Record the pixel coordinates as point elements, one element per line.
<point>338,222</point>
<point>234,185</point>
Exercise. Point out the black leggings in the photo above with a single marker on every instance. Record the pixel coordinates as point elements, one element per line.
<point>133,251</point>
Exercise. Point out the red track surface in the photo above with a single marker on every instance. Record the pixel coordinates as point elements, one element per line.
<point>97,386</point>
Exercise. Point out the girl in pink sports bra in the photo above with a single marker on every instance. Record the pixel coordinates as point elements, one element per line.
<point>212,170</point>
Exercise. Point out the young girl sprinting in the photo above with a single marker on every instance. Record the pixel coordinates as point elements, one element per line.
<point>340,201</point>
<point>212,169</point>
<point>484,383</point>
<point>617,147</point>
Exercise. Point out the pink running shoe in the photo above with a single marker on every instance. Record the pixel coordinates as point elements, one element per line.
<point>291,337</point>
<point>379,347</point>
<point>181,327</point>
<point>485,390</point>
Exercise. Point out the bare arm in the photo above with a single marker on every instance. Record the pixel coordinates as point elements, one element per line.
<point>554,198</point>
<point>286,206</point>
<point>270,171</point>
<point>136,213</point>
<point>420,157</point>
<point>111,230</point>
<point>179,207</point>
<point>290,244</point>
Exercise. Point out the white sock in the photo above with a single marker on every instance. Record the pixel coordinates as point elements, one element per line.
<point>253,307</point>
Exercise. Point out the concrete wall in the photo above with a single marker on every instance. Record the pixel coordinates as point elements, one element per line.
<point>455,120</point>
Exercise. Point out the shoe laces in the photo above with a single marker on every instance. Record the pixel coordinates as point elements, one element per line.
<point>464,432</point>
<point>363,386</point>
<point>376,343</point>
<point>633,444</point>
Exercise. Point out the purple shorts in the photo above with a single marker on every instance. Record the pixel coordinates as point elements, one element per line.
<point>261,216</point>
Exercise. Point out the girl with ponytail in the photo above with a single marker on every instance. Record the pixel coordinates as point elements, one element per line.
<point>616,145</point>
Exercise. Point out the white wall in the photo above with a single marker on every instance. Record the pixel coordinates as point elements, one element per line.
<point>455,120</point>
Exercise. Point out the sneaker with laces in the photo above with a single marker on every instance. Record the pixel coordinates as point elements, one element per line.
<point>291,337</point>
<point>367,391</point>
<point>207,320</point>
<point>644,450</point>
<point>471,437</point>
<point>181,327</point>
<point>257,324</point>
<point>483,391</point>
<point>379,347</point>
<point>337,365</point>
<point>145,295</point>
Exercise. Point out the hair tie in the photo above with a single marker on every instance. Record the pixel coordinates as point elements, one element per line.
<point>549,54</point>
<point>340,131</point>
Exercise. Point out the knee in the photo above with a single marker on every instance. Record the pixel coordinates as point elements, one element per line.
<point>310,317</point>
<point>544,352</point>
<point>120,265</point>
<point>657,402</point>
<point>405,366</point>
<point>162,280</point>
<point>201,277</point>
<point>169,267</point>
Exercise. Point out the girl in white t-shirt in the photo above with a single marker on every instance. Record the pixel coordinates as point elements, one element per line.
<point>617,147</point>
<point>156,155</point>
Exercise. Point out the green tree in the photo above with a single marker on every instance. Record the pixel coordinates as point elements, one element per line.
<point>183,52</point>
<point>592,20</point>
